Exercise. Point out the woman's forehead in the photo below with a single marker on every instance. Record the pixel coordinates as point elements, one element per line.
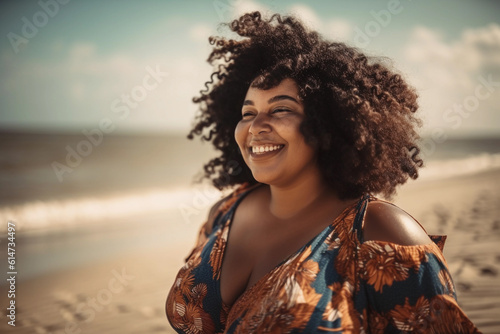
<point>286,87</point>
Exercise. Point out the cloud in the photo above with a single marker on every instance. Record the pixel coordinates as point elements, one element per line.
<point>333,28</point>
<point>448,74</point>
<point>200,33</point>
<point>307,15</point>
<point>228,10</point>
<point>77,91</point>
<point>475,52</point>
<point>82,50</point>
<point>339,29</point>
<point>241,7</point>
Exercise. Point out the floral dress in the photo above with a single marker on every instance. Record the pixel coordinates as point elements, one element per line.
<point>336,283</point>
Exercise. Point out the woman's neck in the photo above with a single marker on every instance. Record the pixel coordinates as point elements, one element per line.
<point>289,201</point>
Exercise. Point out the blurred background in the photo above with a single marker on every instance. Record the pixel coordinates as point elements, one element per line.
<point>95,105</point>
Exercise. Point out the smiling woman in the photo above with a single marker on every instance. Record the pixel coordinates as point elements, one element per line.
<point>309,131</point>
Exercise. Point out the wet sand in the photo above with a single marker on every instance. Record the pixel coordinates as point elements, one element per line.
<point>126,294</point>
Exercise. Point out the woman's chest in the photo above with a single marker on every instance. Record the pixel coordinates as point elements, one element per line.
<point>253,250</point>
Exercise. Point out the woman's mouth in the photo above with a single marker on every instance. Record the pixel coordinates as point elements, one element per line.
<point>262,150</point>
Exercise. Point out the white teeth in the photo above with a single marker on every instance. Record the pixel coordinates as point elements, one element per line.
<point>262,149</point>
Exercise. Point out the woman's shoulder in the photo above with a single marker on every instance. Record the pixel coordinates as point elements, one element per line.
<point>387,222</point>
<point>223,205</point>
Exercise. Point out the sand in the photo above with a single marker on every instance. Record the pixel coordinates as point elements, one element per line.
<point>126,294</point>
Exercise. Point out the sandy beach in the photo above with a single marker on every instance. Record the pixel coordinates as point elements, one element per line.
<point>126,294</point>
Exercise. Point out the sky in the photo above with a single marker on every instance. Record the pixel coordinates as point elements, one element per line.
<point>134,66</point>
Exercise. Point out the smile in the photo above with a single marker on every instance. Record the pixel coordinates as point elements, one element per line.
<point>262,149</point>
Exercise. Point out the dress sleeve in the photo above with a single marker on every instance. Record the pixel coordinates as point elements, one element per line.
<point>409,289</point>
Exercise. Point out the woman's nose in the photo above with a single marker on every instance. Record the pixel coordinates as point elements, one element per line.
<point>260,124</point>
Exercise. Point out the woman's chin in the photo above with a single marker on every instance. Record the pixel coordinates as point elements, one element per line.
<point>265,178</point>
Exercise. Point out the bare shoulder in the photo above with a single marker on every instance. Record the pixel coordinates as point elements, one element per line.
<point>247,204</point>
<point>387,222</point>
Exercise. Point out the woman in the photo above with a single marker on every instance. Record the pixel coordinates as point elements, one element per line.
<point>308,130</point>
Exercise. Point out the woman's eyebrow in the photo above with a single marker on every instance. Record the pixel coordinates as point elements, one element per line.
<point>272,100</point>
<point>282,97</point>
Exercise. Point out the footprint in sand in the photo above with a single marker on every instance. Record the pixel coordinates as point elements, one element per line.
<point>40,330</point>
<point>159,328</point>
<point>48,329</point>
<point>496,225</point>
<point>122,308</point>
<point>65,298</point>
<point>488,271</point>
<point>67,315</point>
<point>26,321</point>
<point>82,297</point>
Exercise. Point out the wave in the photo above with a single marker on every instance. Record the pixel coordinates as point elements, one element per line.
<point>60,215</point>
<point>473,164</point>
<point>185,204</point>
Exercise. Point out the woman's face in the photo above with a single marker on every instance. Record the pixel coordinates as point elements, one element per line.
<point>269,136</point>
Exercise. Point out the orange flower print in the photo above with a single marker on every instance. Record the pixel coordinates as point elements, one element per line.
<point>377,323</point>
<point>346,243</point>
<point>275,320</point>
<point>186,312</point>
<point>342,231</point>
<point>176,306</point>
<point>284,301</point>
<point>447,317</point>
<point>333,241</point>
<point>341,306</point>
<point>185,284</point>
<point>297,276</point>
<point>198,293</point>
<point>306,273</point>
<point>296,294</point>
<point>447,282</point>
<point>439,315</point>
<point>331,311</point>
<point>301,313</point>
<point>411,318</point>
<point>411,257</point>
<point>216,254</point>
<point>197,321</point>
<point>380,266</point>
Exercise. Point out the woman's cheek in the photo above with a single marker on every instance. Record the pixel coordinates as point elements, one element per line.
<point>239,133</point>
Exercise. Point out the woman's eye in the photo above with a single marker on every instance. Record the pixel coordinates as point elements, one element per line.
<point>246,114</point>
<point>278,110</point>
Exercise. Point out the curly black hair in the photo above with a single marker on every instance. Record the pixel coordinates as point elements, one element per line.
<point>359,115</point>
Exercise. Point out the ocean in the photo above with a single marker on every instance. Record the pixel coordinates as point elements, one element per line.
<point>45,182</point>
<point>75,199</point>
